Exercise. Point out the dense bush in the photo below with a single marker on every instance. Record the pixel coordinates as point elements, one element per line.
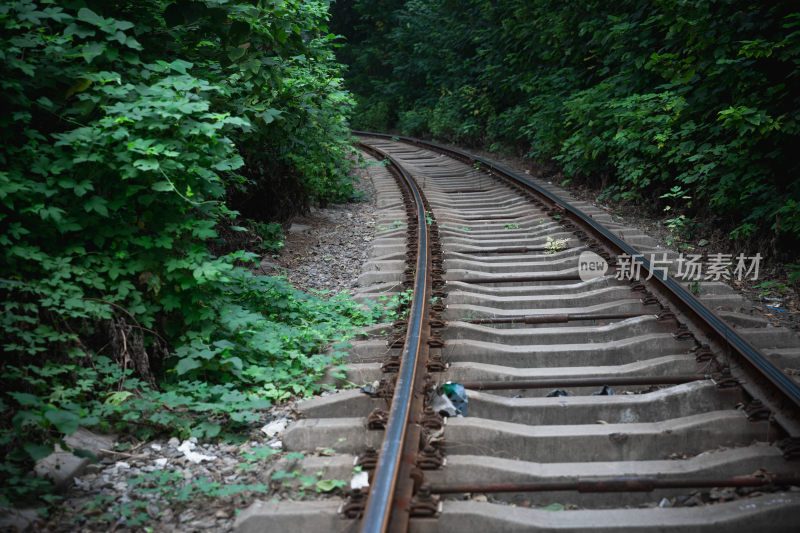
<point>703,95</point>
<point>127,130</point>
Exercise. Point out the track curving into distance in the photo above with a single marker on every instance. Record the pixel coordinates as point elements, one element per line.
<point>594,405</point>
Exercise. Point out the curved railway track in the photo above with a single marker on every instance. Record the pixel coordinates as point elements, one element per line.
<point>599,404</point>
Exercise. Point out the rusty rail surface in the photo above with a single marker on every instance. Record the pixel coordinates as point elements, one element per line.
<point>384,504</point>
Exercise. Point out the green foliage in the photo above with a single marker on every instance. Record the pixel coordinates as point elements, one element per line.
<point>699,95</point>
<point>271,235</point>
<point>130,131</point>
<point>680,227</point>
<point>168,486</point>
<point>794,273</point>
<point>397,307</point>
<point>770,288</point>
<point>553,246</point>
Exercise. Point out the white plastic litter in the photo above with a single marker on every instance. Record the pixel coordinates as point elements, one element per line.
<point>275,427</point>
<point>186,448</point>
<point>443,406</point>
<point>359,481</point>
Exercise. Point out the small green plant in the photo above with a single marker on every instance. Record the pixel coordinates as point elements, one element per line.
<point>694,287</point>
<point>465,228</point>
<point>794,273</point>
<point>271,236</point>
<point>770,288</point>
<point>397,224</point>
<point>511,226</point>
<point>555,245</point>
<point>429,218</point>
<point>396,307</point>
<point>167,486</point>
<point>680,227</point>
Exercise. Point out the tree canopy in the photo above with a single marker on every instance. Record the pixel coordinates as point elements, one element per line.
<point>690,98</point>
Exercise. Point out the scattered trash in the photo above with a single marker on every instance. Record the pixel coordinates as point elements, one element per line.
<point>552,507</point>
<point>161,462</point>
<point>457,395</point>
<point>275,444</point>
<point>186,448</point>
<point>723,494</point>
<point>360,481</point>
<point>275,427</point>
<point>370,390</point>
<point>605,391</point>
<point>703,243</point>
<point>450,399</point>
<point>665,503</point>
<point>555,393</point>
<point>776,309</point>
<point>442,405</point>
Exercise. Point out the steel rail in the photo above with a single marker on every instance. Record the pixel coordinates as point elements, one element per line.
<point>546,383</point>
<point>555,318</point>
<point>724,334</point>
<point>381,498</point>
<point>617,484</point>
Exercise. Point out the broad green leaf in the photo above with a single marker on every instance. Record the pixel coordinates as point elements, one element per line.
<point>146,164</point>
<point>162,186</point>
<point>236,53</point>
<point>87,15</point>
<point>25,398</point>
<point>552,507</point>
<point>37,451</point>
<point>92,50</point>
<point>209,429</point>
<point>96,204</point>
<point>187,364</point>
<point>270,115</point>
<point>327,485</point>
<point>236,362</point>
<point>64,421</point>
<point>87,454</point>
<point>118,397</point>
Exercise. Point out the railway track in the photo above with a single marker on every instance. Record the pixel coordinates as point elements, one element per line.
<point>594,403</point>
